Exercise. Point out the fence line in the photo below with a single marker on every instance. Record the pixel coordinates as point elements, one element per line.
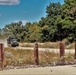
<point>36,55</point>
<point>1,55</point>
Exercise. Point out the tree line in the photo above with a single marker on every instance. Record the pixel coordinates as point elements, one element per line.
<point>59,24</point>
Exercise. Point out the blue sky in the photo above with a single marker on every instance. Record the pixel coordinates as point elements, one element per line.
<point>23,10</point>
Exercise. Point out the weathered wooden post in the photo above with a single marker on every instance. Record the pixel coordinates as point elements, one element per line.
<point>75,50</point>
<point>36,58</point>
<point>62,53</point>
<point>1,55</point>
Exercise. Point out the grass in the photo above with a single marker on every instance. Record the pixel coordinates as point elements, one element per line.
<point>47,57</point>
<point>42,45</point>
<point>49,45</point>
<point>23,57</point>
<point>18,57</point>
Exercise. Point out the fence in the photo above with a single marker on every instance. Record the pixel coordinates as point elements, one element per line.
<point>1,55</point>
<point>36,55</point>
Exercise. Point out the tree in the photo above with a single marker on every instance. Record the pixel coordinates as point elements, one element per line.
<point>59,24</point>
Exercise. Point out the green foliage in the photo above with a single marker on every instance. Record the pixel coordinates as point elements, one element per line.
<point>59,24</point>
<point>33,34</point>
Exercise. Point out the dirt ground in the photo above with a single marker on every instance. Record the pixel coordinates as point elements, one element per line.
<point>55,70</point>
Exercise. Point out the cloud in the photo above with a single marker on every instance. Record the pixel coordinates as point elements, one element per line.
<point>23,21</point>
<point>9,2</point>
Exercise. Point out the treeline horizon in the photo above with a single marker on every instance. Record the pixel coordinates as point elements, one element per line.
<point>59,24</point>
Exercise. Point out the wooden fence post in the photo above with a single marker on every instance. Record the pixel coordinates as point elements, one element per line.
<point>75,50</point>
<point>62,53</point>
<point>1,55</point>
<point>36,58</point>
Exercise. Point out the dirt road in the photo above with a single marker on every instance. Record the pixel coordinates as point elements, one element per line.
<point>4,41</point>
<point>56,70</point>
<point>67,51</point>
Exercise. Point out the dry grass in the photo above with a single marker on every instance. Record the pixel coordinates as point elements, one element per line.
<point>18,57</point>
<point>23,57</point>
<point>49,45</point>
<point>70,46</point>
<point>47,57</point>
<point>42,45</point>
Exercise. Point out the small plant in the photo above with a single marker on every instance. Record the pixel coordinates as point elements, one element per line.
<point>8,54</point>
<point>69,57</point>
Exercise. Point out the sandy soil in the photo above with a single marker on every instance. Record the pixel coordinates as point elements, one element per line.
<point>55,70</point>
<point>4,41</point>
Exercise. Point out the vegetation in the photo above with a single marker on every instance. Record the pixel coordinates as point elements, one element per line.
<point>18,57</point>
<point>59,24</point>
<point>43,45</point>
<point>25,57</point>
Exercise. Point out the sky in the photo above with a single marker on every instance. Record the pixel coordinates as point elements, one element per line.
<point>23,10</point>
